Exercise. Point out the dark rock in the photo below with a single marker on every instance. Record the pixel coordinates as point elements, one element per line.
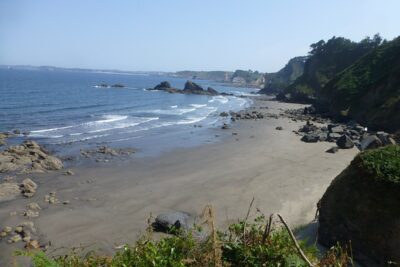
<point>224,114</point>
<point>225,126</point>
<point>363,209</point>
<point>345,142</point>
<point>162,85</point>
<point>333,150</point>
<point>191,86</point>
<point>279,128</point>
<point>16,131</point>
<point>310,138</point>
<point>172,221</point>
<point>370,142</point>
<point>118,85</point>
<point>335,129</point>
<point>212,91</point>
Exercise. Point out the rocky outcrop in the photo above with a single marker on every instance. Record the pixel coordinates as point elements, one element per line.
<point>28,157</point>
<point>171,221</point>
<point>362,205</point>
<point>190,88</point>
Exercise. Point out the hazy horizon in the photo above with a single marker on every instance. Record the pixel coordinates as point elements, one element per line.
<point>176,35</point>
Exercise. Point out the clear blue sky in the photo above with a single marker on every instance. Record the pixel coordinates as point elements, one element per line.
<point>169,35</point>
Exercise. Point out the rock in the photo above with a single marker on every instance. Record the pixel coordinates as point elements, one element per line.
<point>344,142</point>
<point>32,244</point>
<point>191,86</point>
<point>16,131</point>
<point>362,205</point>
<point>279,128</point>
<point>391,141</point>
<point>333,150</point>
<point>51,198</point>
<point>7,229</point>
<point>28,187</point>
<point>33,206</point>
<point>27,157</point>
<point>335,128</point>
<point>224,114</point>
<point>212,91</point>
<point>19,229</point>
<point>118,85</point>
<point>31,214</point>
<point>66,202</point>
<point>15,239</point>
<point>69,172</point>
<point>370,142</point>
<point>225,126</point>
<point>167,222</point>
<point>3,234</point>
<point>163,85</point>
<point>310,138</point>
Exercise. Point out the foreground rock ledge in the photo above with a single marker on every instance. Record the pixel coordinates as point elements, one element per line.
<point>363,205</point>
<point>27,158</point>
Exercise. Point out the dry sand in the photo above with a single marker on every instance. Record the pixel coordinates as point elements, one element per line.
<point>110,205</point>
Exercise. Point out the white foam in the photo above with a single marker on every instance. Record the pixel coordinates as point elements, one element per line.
<point>175,111</point>
<point>221,99</point>
<point>198,105</point>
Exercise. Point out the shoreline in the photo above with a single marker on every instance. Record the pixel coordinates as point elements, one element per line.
<point>109,204</point>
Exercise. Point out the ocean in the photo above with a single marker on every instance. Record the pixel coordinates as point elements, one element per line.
<point>66,111</point>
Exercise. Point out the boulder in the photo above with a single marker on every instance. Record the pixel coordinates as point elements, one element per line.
<point>362,205</point>
<point>333,137</point>
<point>310,138</point>
<point>370,142</point>
<point>335,128</point>
<point>224,114</point>
<point>171,221</point>
<point>279,128</point>
<point>345,142</point>
<point>28,187</point>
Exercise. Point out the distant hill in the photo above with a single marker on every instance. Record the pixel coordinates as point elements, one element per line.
<point>239,77</point>
<point>325,61</point>
<point>278,81</point>
<point>218,76</point>
<point>369,90</point>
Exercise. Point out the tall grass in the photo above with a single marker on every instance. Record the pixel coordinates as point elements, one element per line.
<point>260,242</point>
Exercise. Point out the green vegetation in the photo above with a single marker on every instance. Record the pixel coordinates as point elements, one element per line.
<point>382,164</point>
<point>326,60</point>
<point>369,90</point>
<point>255,243</point>
<point>276,82</point>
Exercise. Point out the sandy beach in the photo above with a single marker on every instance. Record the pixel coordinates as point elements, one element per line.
<point>109,204</point>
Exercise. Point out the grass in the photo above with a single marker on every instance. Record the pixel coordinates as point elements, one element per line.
<point>383,163</point>
<point>260,242</point>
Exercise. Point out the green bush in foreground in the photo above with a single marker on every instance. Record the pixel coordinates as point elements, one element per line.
<point>383,163</point>
<point>244,244</point>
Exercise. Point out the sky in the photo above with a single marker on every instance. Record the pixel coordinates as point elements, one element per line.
<point>172,35</point>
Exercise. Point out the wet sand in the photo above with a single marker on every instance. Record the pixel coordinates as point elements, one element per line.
<point>110,204</point>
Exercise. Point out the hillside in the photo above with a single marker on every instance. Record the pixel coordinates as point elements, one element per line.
<point>325,61</point>
<point>277,81</point>
<point>369,90</point>
<point>219,76</point>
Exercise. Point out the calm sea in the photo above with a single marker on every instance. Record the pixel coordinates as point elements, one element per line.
<point>66,111</point>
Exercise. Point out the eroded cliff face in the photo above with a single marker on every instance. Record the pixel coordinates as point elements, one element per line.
<point>362,206</point>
